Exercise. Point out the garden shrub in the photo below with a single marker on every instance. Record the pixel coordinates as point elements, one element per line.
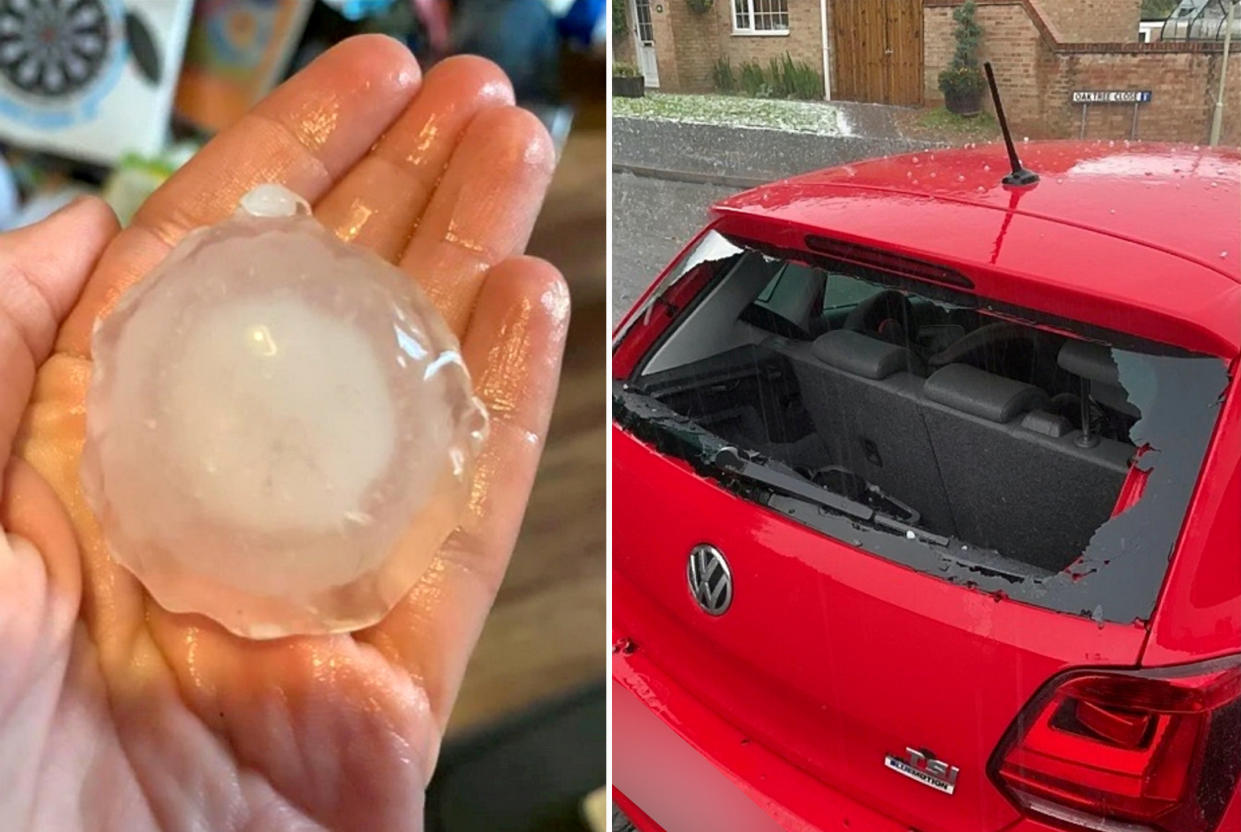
<point>752,81</point>
<point>722,73</point>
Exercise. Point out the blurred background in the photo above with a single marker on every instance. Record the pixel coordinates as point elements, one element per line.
<point>110,97</point>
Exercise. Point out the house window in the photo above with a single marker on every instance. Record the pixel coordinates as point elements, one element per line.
<point>760,16</point>
<point>646,32</point>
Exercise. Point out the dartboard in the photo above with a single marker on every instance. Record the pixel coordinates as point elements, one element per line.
<point>52,48</point>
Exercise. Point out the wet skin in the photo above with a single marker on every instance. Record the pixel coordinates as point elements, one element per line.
<point>114,713</point>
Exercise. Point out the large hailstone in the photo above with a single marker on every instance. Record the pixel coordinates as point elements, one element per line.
<point>280,430</point>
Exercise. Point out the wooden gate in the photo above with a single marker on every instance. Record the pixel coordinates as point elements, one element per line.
<point>877,46</point>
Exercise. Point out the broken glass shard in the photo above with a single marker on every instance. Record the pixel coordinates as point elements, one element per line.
<point>280,427</point>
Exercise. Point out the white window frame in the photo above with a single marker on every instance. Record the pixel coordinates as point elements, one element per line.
<point>750,15</point>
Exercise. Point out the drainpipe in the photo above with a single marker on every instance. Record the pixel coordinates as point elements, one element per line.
<point>1218,117</point>
<point>827,72</point>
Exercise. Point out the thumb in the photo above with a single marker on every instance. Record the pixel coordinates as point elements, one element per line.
<point>42,270</point>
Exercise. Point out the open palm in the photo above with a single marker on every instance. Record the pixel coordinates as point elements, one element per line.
<point>116,714</point>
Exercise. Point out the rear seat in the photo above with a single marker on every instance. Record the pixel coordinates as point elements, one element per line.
<point>976,453</point>
<point>1015,478</point>
<point>863,395</point>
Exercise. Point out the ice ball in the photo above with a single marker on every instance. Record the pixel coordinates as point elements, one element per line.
<point>280,428</point>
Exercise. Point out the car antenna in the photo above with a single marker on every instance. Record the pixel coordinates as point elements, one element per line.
<point>1021,177</point>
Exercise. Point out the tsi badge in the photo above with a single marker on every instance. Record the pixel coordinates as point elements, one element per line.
<point>924,768</point>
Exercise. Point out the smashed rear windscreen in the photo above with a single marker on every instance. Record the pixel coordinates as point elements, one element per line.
<point>925,425</point>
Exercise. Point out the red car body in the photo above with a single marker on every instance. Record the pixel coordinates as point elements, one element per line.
<point>779,713</point>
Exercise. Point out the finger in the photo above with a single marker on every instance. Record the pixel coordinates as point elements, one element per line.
<point>379,201</point>
<point>304,135</point>
<point>483,209</point>
<point>42,269</point>
<point>50,440</point>
<point>513,348</point>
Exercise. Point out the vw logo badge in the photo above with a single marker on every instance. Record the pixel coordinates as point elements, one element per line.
<point>710,579</point>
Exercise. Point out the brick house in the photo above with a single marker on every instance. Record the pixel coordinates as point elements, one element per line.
<point>891,51</point>
<point>677,47</point>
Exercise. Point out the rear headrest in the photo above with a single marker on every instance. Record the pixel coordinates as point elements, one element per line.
<point>860,354</point>
<point>1092,361</point>
<point>971,390</point>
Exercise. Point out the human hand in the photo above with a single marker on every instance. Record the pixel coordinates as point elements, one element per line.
<point>117,714</point>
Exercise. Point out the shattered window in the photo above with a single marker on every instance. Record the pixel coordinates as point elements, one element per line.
<point>927,425</point>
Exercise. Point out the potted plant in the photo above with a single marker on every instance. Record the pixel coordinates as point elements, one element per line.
<point>962,82</point>
<point>627,81</point>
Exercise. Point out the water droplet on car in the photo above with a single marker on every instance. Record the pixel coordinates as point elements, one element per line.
<point>1097,615</point>
<point>625,645</point>
<point>960,178</point>
<point>911,534</point>
<point>986,167</point>
<point>1223,254</point>
<point>914,160</point>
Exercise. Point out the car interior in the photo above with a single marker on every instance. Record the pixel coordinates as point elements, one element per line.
<point>988,431</point>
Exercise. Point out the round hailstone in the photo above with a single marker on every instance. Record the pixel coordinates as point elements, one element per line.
<point>280,430</point>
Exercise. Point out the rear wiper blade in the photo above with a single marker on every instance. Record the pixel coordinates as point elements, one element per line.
<point>672,433</point>
<point>730,460</point>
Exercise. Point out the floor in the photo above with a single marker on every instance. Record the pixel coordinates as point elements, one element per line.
<point>620,823</point>
<point>547,632</point>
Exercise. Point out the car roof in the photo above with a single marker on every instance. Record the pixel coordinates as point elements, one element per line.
<point>1155,225</point>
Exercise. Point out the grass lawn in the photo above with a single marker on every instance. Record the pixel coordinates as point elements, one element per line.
<point>937,124</point>
<point>796,116</point>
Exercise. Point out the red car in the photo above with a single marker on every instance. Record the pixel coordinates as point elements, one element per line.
<point>927,502</point>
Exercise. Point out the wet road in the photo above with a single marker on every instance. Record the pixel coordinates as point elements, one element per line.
<point>652,219</point>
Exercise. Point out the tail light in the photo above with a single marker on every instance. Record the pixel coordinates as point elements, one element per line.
<point>1121,751</point>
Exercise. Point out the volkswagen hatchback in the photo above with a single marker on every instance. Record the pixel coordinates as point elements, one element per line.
<point>927,502</point>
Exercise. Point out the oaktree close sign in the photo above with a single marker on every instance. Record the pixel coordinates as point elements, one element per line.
<point>1111,96</point>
